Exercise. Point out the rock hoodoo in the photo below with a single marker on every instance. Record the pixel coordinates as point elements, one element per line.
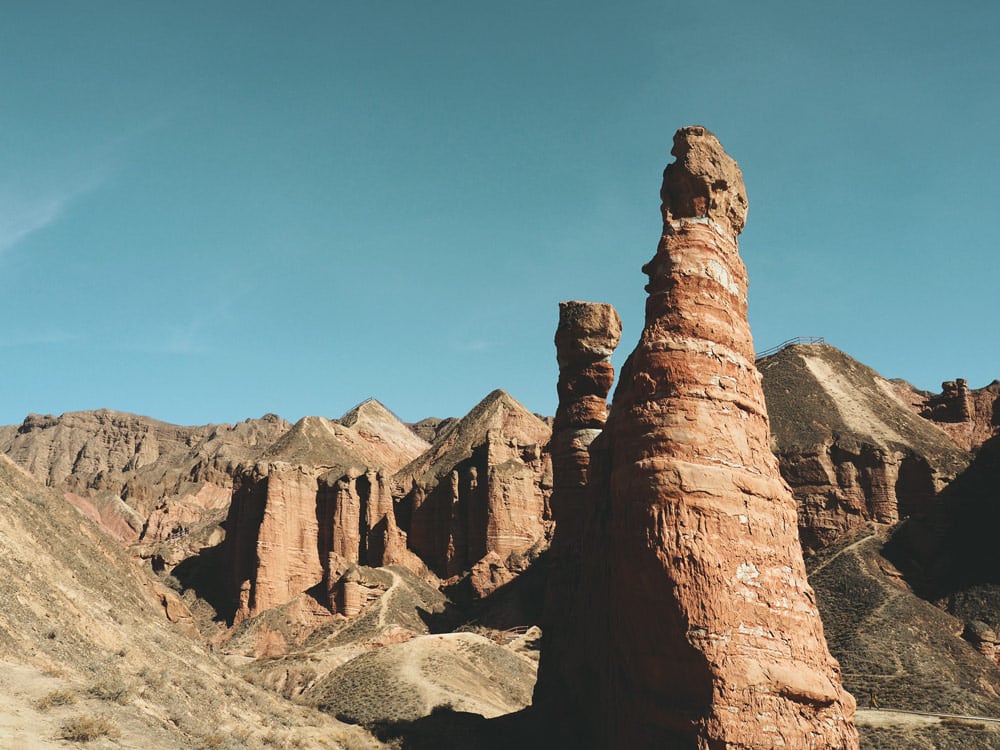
<point>705,632</point>
<point>587,335</point>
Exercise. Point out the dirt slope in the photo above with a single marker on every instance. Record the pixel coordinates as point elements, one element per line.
<point>79,617</point>
<point>406,681</point>
<point>909,651</point>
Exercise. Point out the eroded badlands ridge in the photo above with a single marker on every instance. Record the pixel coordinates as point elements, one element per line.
<point>705,632</point>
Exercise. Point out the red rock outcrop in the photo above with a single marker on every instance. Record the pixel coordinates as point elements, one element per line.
<point>138,477</point>
<point>970,417</point>
<point>849,444</point>
<point>982,637</point>
<point>320,490</point>
<point>274,507</point>
<point>587,335</point>
<point>705,632</point>
<point>482,488</point>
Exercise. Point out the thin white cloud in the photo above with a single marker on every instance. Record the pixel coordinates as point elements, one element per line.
<point>22,215</point>
<point>41,337</point>
<point>477,345</point>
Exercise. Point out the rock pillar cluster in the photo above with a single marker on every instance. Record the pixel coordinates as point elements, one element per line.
<point>705,631</point>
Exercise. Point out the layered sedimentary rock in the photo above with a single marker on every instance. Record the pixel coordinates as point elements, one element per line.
<point>357,526</point>
<point>136,476</point>
<point>705,632</point>
<point>481,489</point>
<point>391,443</point>
<point>982,637</point>
<point>849,445</point>
<point>321,489</point>
<point>272,552</point>
<point>969,416</point>
<point>587,335</point>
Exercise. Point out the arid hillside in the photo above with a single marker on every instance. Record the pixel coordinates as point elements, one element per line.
<point>97,628</point>
<point>849,446</point>
<point>94,648</point>
<point>903,649</point>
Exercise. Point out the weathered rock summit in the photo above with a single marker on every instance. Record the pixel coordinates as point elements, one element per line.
<point>849,444</point>
<point>138,477</point>
<point>703,631</point>
<point>971,416</point>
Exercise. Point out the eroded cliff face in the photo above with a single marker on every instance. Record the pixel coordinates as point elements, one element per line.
<point>704,630</point>
<point>480,493</point>
<point>969,416</point>
<point>135,476</point>
<point>849,444</point>
<point>321,490</point>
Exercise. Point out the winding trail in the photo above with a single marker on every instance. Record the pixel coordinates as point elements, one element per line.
<point>386,598</point>
<point>848,548</point>
<point>877,716</point>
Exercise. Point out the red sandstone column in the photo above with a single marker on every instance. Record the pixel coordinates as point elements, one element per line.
<point>715,639</point>
<point>587,335</point>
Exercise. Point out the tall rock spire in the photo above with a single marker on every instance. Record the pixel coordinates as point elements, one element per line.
<point>587,335</point>
<point>705,632</point>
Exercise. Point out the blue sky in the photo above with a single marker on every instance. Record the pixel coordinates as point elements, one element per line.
<point>213,210</point>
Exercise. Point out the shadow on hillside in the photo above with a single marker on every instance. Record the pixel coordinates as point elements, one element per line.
<point>515,604</point>
<point>204,574</point>
<point>447,729</point>
<point>950,548</point>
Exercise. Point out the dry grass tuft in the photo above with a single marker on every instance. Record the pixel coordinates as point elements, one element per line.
<point>112,688</point>
<point>55,698</point>
<point>87,728</point>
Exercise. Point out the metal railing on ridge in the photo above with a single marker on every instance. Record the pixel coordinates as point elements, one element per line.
<point>790,342</point>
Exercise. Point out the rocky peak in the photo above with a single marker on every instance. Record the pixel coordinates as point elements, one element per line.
<point>367,436</point>
<point>849,444</point>
<point>376,423</point>
<point>498,412</point>
<point>318,442</point>
<point>481,489</point>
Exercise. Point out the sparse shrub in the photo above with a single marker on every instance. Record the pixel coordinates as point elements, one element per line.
<point>87,728</point>
<point>55,698</point>
<point>241,734</point>
<point>954,722</point>
<point>153,678</point>
<point>112,688</point>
